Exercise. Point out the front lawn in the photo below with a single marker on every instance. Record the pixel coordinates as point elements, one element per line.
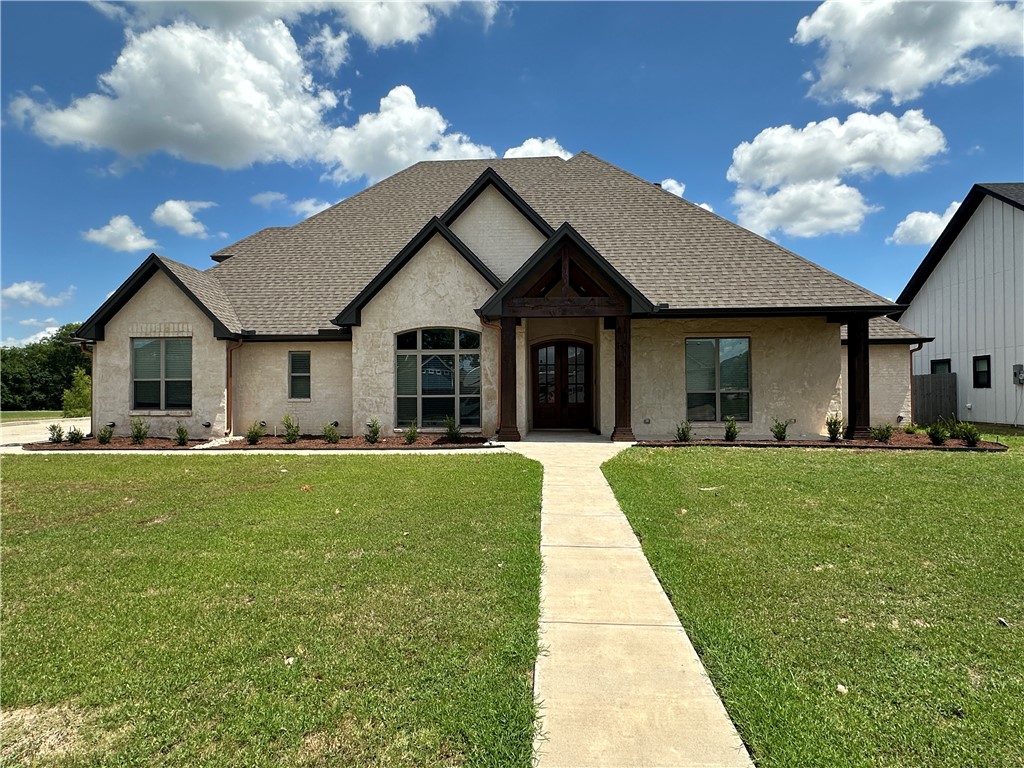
<point>796,572</point>
<point>260,610</point>
<point>6,416</point>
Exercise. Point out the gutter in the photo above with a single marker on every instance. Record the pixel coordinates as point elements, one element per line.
<point>230,383</point>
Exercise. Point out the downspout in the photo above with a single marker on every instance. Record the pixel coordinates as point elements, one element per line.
<point>495,327</point>
<point>918,348</point>
<point>84,345</point>
<point>230,387</point>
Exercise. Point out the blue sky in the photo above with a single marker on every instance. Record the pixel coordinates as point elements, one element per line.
<point>844,131</point>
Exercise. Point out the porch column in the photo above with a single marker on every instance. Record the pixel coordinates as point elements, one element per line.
<point>508,430</point>
<point>623,431</point>
<point>859,386</point>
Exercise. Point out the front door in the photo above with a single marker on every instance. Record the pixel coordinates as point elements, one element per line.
<point>562,385</point>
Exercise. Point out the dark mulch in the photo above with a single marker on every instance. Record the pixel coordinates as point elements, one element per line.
<point>269,442</point>
<point>900,441</point>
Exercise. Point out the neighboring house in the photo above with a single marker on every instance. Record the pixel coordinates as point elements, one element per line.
<point>508,294</point>
<point>968,294</point>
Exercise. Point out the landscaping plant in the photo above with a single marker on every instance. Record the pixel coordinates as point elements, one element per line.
<point>372,434</point>
<point>56,433</point>
<point>411,434</point>
<point>139,430</point>
<point>969,433</point>
<point>75,435</point>
<point>937,433</point>
<point>731,430</point>
<point>452,430</point>
<point>779,429</point>
<point>910,428</point>
<point>331,434</point>
<point>105,434</point>
<point>180,434</point>
<point>683,429</point>
<point>291,429</point>
<point>882,432</point>
<point>254,433</point>
<point>835,425</point>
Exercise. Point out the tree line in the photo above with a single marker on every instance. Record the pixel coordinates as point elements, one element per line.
<point>34,377</point>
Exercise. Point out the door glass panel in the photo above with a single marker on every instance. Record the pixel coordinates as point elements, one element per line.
<point>576,362</point>
<point>546,376</point>
<point>438,375</point>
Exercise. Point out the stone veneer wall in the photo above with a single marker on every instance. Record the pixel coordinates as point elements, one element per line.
<point>497,233</point>
<point>890,383</point>
<point>160,309</point>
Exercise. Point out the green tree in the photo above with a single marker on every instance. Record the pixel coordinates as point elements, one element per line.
<point>34,377</point>
<point>78,399</point>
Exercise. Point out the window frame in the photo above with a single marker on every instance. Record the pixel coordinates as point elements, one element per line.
<point>456,351</point>
<point>292,375</point>
<point>978,375</point>
<point>948,361</point>
<point>163,379</point>
<point>749,391</point>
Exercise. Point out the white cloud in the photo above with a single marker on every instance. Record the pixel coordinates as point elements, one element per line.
<point>537,147</point>
<point>922,227</point>
<point>302,208</point>
<point>31,292</point>
<point>10,341</point>
<point>121,234</point>
<point>309,206</point>
<point>331,48</point>
<point>179,215</point>
<point>805,169</point>
<point>401,133</point>
<point>269,199</point>
<point>677,188</point>
<point>902,48</point>
<point>706,207</point>
<point>50,321</point>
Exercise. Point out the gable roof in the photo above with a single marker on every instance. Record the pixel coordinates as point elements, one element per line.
<point>489,178</point>
<point>884,330</point>
<point>1011,194</point>
<point>200,287</point>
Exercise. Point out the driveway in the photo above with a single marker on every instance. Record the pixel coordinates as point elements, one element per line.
<point>35,431</point>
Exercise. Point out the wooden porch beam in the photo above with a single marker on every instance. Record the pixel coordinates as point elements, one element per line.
<point>859,386</point>
<point>623,431</point>
<point>508,429</point>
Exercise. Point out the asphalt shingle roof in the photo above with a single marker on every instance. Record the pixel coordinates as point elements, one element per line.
<point>294,280</point>
<point>882,329</point>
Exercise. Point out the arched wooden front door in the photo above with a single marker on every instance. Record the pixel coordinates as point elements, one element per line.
<point>562,385</point>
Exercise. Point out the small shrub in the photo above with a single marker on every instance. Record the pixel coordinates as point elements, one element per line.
<point>779,429</point>
<point>938,433</point>
<point>911,428</point>
<point>452,430</point>
<point>104,436</point>
<point>411,434</point>
<point>835,425</point>
<point>180,434</point>
<point>882,432</point>
<point>372,434</point>
<point>731,430</point>
<point>291,429</point>
<point>75,435</point>
<point>969,433</point>
<point>77,401</point>
<point>683,430</point>
<point>139,430</point>
<point>56,433</point>
<point>331,434</point>
<point>254,433</point>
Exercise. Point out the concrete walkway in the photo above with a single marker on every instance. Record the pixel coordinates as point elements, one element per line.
<point>618,682</point>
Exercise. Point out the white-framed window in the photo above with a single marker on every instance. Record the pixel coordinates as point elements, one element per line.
<point>162,374</point>
<point>718,379</point>
<point>299,376</point>
<point>437,375</point>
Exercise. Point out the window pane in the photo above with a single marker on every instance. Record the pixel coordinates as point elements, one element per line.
<point>469,340</point>
<point>300,388</point>
<point>941,366</point>
<point>981,364</point>
<point>737,405</point>
<point>300,362</point>
<point>178,363</point>
<point>147,394</point>
<point>700,407</point>
<point>735,371</point>
<point>438,375</point>
<point>469,411</point>
<point>438,338</point>
<point>146,360</point>
<point>406,411</point>
<point>406,380</point>
<point>469,374</point>
<point>700,365</point>
<point>407,340</point>
<point>435,409</point>
<point>177,394</point>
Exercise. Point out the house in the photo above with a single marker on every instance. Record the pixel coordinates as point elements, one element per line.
<point>514,294</point>
<point>968,294</point>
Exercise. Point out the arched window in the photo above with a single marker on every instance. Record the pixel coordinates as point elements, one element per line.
<point>437,376</point>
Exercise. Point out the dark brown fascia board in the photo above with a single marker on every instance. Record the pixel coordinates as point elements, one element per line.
<point>946,238</point>
<point>915,340</point>
<point>351,315</point>
<point>488,178</point>
<point>93,328</point>
<point>339,334</point>
<point>832,314</point>
<point>640,304</point>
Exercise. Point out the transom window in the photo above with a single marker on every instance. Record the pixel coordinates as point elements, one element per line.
<point>299,376</point>
<point>437,377</point>
<point>717,379</point>
<point>162,374</point>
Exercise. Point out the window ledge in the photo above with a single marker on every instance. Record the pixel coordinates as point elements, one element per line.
<point>158,412</point>
<point>440,430</point>
<point>300,400</point>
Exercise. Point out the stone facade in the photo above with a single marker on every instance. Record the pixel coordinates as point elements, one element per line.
<point>890,383</point>
<point>497,233</point>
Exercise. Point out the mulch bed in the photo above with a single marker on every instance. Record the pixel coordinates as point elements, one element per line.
<point>900,441</point>
<point>269,442</point>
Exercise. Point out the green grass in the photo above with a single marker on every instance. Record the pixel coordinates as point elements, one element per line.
<point>29,415</point>
<point>159,600</point>
<point>795,572</point>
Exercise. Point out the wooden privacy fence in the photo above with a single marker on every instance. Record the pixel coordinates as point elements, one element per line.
<point>934,396</point>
